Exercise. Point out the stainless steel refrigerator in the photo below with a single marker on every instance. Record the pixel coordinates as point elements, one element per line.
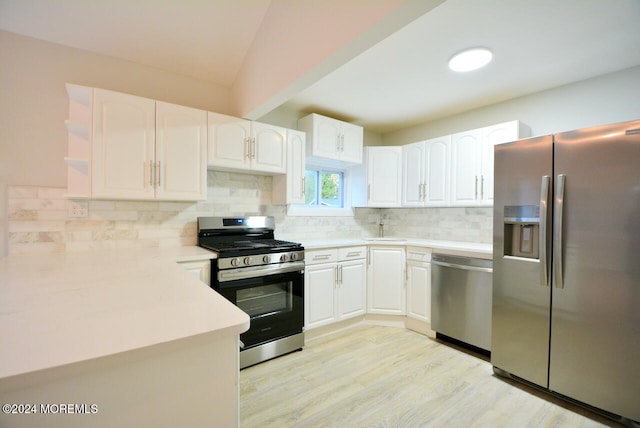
<point>566,288</point>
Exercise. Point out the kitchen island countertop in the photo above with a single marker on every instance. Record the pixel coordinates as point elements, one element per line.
<point>63,308</point>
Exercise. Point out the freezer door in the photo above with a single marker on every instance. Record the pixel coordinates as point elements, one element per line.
<point>521,292</point>
<point>595,338</point>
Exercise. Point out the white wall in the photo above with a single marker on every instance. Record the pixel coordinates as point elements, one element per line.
<point>605,99</point>
<point>34,103</point>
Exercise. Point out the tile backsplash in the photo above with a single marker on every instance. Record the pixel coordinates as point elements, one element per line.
<point>38,220</point>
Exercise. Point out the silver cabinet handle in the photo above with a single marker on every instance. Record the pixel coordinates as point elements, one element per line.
<point>144,178</point>
<point>542,231</point>
<point>247,148</point>
<point>476,197</point>
<point>253,148</point>
<point>558,279</point>
<point>158,173</point>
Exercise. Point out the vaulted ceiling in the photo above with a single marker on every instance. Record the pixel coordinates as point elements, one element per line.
<point>380,63</point>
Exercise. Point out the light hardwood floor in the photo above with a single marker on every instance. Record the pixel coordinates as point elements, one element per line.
<point>375,376</point>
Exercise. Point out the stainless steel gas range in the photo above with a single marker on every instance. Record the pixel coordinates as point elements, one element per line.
<point>263,276</point>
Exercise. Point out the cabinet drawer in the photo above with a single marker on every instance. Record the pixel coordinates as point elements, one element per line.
<point>324,255</point>
<point>420,254</point>
<point>352,253</point>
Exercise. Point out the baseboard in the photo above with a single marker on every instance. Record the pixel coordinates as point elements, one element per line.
<point>397,321</point>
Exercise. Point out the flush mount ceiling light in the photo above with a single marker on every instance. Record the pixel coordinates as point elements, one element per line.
<point>470,59</point>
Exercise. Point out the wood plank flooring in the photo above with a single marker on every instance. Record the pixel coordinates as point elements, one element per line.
<point>378,376</point>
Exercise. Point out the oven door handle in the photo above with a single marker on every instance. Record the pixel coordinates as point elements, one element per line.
<point>258,271</point>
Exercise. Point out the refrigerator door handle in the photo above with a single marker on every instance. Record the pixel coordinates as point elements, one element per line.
<point>542,230</point>
<point>557,240</point>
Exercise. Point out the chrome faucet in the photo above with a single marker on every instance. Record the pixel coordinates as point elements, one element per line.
<point>381,226</point>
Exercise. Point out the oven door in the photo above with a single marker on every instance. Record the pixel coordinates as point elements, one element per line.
<point>273,300</point>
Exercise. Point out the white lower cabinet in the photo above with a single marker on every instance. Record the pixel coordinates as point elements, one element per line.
<point>201,269</point>
<point>419,283</point>
<point>386,292</point>
<point>335,284</point>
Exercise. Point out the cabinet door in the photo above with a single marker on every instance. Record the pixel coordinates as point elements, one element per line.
<point>465,169</point>
<point>384,176</point>
<point>351,142</point>
<point>229,139</point>
<point>437,171</point>
<point>295,166</point>
<point>492,135</point>
<point>352,289</point>
<point>419,291</point>
<point>269,148</point>
<point>289,188</point>
<point>319,294</point>
<point>385,281</point>
<point>413,163</point>
<point>123,146</point>
<point>181,144</point>
<point>326,137</point>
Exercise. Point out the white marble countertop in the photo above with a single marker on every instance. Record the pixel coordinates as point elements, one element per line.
<point>61,308</point>
<point>472,249</point>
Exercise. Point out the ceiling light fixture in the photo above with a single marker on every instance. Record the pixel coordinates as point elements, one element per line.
<point>470,59</point>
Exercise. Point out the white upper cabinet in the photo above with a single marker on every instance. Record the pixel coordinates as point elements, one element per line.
<point>141,149</point>
<point>413,165</point>
<point>331,139</point>
<point>425,173</point>
<point>123,156</point>
<point>466,152</point>
<point>229,139</point>
<point>437,171</point>
<point>239,144</point>
<point>269,148</point>
<point>472,161</point>
<point>378,182</point>
<point>289,188</point>
<point>491,136</point>
<point>181,152</point>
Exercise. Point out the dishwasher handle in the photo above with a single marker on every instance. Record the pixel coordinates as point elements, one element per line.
<point>463,267</point>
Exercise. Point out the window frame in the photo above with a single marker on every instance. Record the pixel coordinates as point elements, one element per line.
<point>320,211</point>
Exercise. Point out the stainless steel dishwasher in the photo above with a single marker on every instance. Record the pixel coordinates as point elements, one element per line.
<point>461,294</point>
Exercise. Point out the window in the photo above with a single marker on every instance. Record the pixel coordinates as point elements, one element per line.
<point>327,193</point>
<point>324,188</point>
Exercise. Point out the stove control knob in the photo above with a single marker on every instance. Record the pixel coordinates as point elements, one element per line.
<point>234,262</point>
<point>266,259</point>
<point>283,258</point>
<point>293,256</point>
<point>248,260</point>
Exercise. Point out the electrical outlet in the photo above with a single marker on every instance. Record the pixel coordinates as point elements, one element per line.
<point>78,209</point>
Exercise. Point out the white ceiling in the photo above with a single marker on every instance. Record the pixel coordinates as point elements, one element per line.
<point>401,81</point>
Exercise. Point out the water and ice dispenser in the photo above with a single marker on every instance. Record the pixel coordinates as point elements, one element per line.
<point>521,231</point>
